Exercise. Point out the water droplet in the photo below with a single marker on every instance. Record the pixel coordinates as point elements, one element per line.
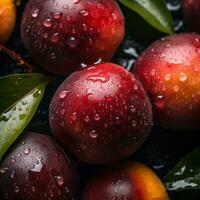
<point>175,88</point>
<point>17,189</point>
<point>26,151</point>
<point>85,28</point>
<point>168,45</point>
<point>87,118</point>
<point>47,23</point>
<point>52,56</point>
<point>196,69</point>
<point>65,6</point>
<point>108,97</point>
<point>159,101</point>
<point>73,117</point>
<point>57,15</point>
<point>133,109</point>
<point>182,77</point>
<point>168,77</point>
<point>114,16</point>
<point>153,72</point>
<point>105,125</point>
<point>134,123</point>
<point>62,124</point>
<point>76,1</point>
<point>38,166</point>
<point>67,190</point>
<point>12,175</point>
<point>59,180</point>
<point>55,37</point>
<point>135,87</point>
<point>63,94</point>
<point>97,117</point>
<point>62,112</point>
<point>181,171</point>
<point>98,78</point>
<point>3,170</point>
<point>46,35</point>
<point>93,134</point>
<point>198,50</point>
<point>84,13</point>
<point>68,19</point>
<point>72,42</point>
<point>24,102</point>
<point>35,13</point>
<point>33,188</point>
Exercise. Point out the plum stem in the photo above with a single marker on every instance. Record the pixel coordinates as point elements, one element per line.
<point>17,58</point>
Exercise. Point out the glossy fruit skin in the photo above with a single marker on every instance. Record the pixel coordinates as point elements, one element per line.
<point>191,10</point>
<point>127,181</point>
<point>62,36</point>
<point>101,114</point>
<point>170,72</point>
<point>36,168</point>
<point>7,19</point>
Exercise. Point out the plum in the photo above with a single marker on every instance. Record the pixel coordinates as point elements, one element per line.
<point>191,10</point>
<point>7,19</point>
<point>101,114</point>
<point>36,168</point>
<point>65,35</point>
<point>126,181</point>
<point>170,72</point>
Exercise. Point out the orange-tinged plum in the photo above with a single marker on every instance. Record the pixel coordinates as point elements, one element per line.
<point>101,114</point>
<point>127,181</point>
<point>7,19</point>
<point>36,168</point>
<point>191,10</point>
<point>170,72</point>
<point>64,35</point>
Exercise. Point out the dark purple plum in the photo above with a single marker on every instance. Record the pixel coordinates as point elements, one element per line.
<point>37,169</point>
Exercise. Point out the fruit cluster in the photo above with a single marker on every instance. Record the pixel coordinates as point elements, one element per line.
<point>103,113</point>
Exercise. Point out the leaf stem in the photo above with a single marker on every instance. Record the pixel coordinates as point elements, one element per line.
<point>17,58</point>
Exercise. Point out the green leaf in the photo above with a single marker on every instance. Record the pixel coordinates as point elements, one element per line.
<point>15,86</point>
<point>20,95</point>
<point>186,175</point>
<point>155,12</point>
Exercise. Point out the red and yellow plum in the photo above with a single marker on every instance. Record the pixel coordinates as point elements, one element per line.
<point>127,181</point>
<point>170,72</point>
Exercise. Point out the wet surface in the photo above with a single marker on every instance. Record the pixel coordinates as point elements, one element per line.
<point>164,148</point>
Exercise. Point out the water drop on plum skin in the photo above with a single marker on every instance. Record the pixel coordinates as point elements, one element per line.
<point>38,166</point>
<point>176,78</point>
<point>82,27</point>
<point>97,114</point>
<point>123,181</point>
